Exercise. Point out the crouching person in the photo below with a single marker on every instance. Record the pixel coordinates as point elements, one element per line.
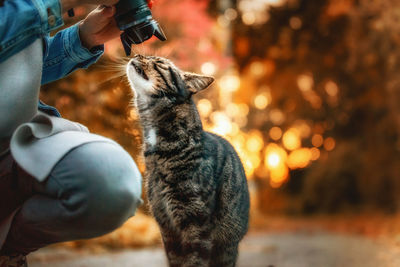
<point>58,182</point>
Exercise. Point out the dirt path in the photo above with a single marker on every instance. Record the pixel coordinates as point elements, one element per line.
<point>257,250</point>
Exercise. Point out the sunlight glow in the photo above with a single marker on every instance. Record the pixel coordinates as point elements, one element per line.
<point>274,156</point>
<point>229,83</point>
<point>208,68</point>
<point>230,14</point>
<point>279,176</point>
<point>222,123</point>
<point>315,153</point>
<point>331,88</point>
<point>317,140</point>
<point>273,160</point>
<point>329,144</point>
<point>305,82</point>
<point>256,11</point>
<point>291,139</point>
<point>261,101</point>
<point>299,158</point>
<point>255,142</point>
<point>205,107</point>
<point>276,116</point>
<point>295,23</point>
<point>275,133</point>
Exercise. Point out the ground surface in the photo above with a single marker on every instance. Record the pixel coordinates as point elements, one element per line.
<point>297,249</point>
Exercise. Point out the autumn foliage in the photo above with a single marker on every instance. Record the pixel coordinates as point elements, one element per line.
<point>307,91</point>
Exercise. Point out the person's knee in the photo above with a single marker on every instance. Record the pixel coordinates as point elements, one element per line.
<point>103,186</point>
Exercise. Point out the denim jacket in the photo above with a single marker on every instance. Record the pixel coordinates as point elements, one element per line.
<point>23,21</point>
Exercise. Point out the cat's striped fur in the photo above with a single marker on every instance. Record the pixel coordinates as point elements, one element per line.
<point>196,184</point>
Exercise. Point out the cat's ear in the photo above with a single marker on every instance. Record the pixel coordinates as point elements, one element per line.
<point>195,82</point>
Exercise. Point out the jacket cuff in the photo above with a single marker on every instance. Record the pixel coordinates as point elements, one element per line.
<point>50,14</point>
<point>76,51</point>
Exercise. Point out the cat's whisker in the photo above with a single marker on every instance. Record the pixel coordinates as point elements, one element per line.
<point>113,66</point>
<point>110,79</point>
<point>156,52</point>
<point>168,51</point>
<point>138,49</point>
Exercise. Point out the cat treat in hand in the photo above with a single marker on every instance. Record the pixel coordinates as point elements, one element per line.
<point>196,184</point>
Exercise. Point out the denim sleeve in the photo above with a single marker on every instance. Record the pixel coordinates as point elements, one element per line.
<point>65,53</point>
<point>23,21</point>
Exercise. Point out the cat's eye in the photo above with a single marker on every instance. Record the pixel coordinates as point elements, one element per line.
<point>138,70</point>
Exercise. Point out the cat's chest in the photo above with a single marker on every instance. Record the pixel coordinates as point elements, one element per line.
<point>161,199</point>
<point>150,136</point>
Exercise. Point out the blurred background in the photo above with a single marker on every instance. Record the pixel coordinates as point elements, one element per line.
<point>307,91</point>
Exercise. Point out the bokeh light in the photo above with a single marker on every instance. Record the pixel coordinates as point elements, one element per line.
<point>299,158</point>
<point>222,123</point>
<point>295,23</point>
<point>291,139</point>
<point>255,142</point>
<point>315,153</point>
<point>329,144</point>
<point>274,156</point>
<point>275,133</point>
<point>317,140</point>
<point>276,116</point>
<point>208,68</point>
<point>305,82</point>
<point>261,101</point>
<point>205,107</point>
<point>331,88</point>
<point>229,83</point>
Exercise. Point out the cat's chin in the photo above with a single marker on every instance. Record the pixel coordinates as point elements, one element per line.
<point>137,82</point>
<point>140,100</point>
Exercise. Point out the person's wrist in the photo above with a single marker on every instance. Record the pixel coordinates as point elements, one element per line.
<point>86,42</point>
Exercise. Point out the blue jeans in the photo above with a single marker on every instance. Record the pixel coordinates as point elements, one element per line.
<point>91,191</point>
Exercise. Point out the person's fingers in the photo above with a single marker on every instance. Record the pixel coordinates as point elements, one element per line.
<point>99,26</point>
<point>100,17</point>
<point>108,11</point>
<point>101,2</point>
<point>110,31</point>
<point>110,2</point>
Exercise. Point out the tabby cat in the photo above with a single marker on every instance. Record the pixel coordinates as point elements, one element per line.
<point>196,184</point>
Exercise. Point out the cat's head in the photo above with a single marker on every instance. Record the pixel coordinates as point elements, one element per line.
<point>157,81</point>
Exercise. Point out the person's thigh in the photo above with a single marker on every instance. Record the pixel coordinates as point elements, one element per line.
<point>91,191</point>
<point>98,186</point>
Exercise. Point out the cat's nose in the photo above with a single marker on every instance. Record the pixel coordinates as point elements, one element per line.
<point>134,61</point>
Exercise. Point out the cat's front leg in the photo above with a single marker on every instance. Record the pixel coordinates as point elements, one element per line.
<point>196,247</point>
<point>173,248</point>
<point>224,254</point>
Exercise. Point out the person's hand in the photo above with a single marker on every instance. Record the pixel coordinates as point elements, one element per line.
<point>98,27</point>
<point>68,4</point>
<point>100,2</point>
